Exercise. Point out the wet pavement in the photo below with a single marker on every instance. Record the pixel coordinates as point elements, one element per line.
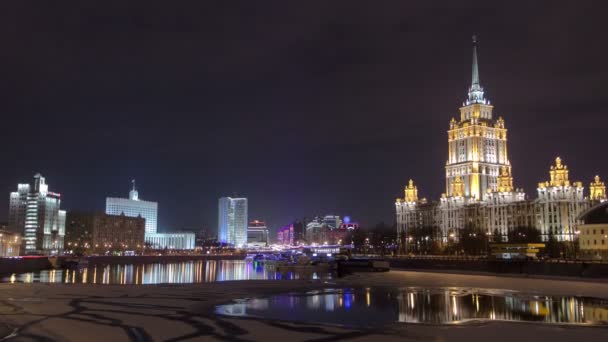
<point>377,307</point>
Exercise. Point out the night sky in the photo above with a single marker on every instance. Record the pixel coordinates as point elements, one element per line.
<point>305,108</point>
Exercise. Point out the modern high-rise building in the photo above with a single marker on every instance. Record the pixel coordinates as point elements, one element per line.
<point>134,207</point>
<point>35,213</point>
<point>232,221</point>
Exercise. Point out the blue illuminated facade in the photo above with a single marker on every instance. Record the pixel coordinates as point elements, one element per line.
<point>232,221</point>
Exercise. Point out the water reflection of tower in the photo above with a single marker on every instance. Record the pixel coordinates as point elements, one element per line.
<point>210,270</point>
<point>407,307</point>
<point>313,302</point>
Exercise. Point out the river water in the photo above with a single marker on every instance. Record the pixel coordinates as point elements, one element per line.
<point>200,271</point>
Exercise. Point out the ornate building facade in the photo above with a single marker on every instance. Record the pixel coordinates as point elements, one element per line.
<point>559,203</point>
<point>477,144</point>
<point>479,188</point>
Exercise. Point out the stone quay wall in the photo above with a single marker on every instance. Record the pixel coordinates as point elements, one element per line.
<point>522,267</point>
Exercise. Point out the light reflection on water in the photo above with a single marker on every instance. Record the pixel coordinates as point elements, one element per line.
<point>374,307</point>
<point>200,271</point>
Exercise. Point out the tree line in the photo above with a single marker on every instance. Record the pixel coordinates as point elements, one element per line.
<point>472,240</point>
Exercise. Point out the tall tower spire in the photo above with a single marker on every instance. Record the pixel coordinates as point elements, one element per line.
<point>477,146</point>
<point>133,194</point>
<point>475,91</point>
<point>475,75</point>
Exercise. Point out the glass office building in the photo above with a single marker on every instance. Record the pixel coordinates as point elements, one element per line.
<point>134,207</point>
<point>232,221</point>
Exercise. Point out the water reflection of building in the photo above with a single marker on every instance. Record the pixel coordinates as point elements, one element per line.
<point>450,306</point>
<point>330,301</point>
<point>596,312</point>
<point>200,271</point>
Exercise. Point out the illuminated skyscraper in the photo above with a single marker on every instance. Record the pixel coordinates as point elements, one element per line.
<point>480,191</point>
<point>477,145</point>
<point>34,212</point>
<point>232,221</point>
<point>134,207</point>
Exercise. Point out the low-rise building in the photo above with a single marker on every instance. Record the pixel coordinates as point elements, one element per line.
<point>592,232</point>
<point>10,243</point>
<point>101,233</point>
<point>172,241</point>
<point>257,234</point>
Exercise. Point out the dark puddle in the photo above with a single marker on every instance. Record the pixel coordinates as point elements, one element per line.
<point>373,307</point>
